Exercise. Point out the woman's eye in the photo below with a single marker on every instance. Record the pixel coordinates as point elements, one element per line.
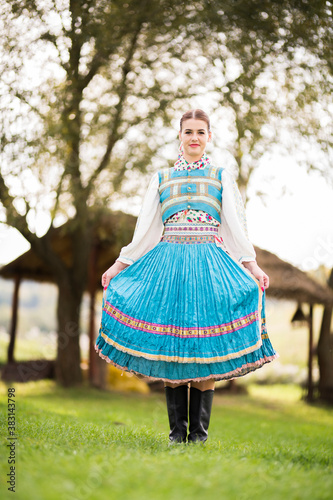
<point>187,132</point>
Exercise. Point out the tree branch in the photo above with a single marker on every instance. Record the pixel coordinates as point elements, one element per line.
<point>48,37</point>
<point>58,193</point>
<point>95,64</point>
<point>14,219</point>
<point>122,93</point>
<point>22,98</point>
<point>42,246</point>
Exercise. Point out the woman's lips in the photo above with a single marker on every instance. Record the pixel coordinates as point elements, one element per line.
<point>194,145</point>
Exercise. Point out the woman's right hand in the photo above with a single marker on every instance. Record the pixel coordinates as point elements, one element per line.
<point>112,272</point>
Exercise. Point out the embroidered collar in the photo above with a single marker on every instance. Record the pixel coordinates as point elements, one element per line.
<point>182,164</point>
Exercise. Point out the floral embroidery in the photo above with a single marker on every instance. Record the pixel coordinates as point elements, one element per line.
<point>193,216</point>
<point>182,164</point>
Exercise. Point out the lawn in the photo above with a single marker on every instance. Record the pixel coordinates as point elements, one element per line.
<point>87,444</point>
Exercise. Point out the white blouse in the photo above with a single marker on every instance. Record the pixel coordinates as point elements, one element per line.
<point>233,229</point>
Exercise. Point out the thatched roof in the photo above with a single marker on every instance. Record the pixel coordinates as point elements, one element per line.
<point>289,282</point>
<point>115,230</point>
<point>112,231</point>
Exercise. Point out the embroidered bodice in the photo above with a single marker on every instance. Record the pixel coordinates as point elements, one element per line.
<point>227,212</point>
<point>196,189</point>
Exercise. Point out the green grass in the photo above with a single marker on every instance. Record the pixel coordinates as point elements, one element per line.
<point>26,349</point>
<point>87,444</point>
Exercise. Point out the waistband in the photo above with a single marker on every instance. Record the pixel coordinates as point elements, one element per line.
<point>189,232</point>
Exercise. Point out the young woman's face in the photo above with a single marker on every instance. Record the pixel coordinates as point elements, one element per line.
<point>194,136</point>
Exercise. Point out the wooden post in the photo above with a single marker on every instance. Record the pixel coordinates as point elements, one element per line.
<point>310,380</point>
<point>12,332</point>
<point>92,293</point>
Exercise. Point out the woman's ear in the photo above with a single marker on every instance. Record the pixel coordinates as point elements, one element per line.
<point>209,137</point>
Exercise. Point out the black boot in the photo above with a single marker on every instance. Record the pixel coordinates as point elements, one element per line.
<point>200,410</point>
<point>177,405</point>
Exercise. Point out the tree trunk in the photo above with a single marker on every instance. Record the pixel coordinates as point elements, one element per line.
<point>13,326</point>
<point>68,371</point>
<point>325,353</point>
<point>310,362</point>
<point>92,327</point>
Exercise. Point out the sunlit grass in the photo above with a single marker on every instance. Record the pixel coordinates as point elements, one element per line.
<point>87,444</point>
<point>26,349</point>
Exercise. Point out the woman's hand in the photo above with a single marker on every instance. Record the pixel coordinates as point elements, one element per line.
<point>258,273</point>
<point>112,272</point>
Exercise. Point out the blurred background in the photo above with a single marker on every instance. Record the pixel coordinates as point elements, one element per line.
<point>91,93</point>
<point>90,100</point>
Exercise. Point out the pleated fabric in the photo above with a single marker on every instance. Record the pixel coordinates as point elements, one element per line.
<point>185,311</point>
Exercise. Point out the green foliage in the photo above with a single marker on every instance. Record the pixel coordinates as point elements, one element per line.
<point>85,444</point>
<point>110,76</point>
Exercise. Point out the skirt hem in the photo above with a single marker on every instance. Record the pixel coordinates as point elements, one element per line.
<point>238,372</point>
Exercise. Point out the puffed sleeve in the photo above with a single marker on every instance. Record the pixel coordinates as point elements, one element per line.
<point>233,228</point>
<point>149,226</point>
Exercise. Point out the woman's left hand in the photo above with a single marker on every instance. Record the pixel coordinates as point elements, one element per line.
<point>258,273</point>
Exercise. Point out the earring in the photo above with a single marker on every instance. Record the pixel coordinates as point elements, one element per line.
<point>180,151</point>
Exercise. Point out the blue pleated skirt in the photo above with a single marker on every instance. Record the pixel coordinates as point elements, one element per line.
<point>185,311</point>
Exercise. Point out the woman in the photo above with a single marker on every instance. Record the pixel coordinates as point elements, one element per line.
<point>185,299</point>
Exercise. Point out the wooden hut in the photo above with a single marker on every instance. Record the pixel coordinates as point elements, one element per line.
<point>289,282</point>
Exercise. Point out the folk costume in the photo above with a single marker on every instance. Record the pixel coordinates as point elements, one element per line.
<point>185,309</point>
